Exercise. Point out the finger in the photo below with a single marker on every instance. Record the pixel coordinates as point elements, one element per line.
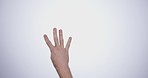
<point>55,37</point>
<point>61,38</point>
<point>48,42</point>
<point>68,43</point>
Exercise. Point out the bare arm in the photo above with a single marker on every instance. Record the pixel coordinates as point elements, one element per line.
<point>59,54</point>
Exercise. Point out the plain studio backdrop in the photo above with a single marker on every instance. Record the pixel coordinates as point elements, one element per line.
<point>110,37</point>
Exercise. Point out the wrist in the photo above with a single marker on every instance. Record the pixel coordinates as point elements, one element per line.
<point>62,66</point>
<point>64,71</point>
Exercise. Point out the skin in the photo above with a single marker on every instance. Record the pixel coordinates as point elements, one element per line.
<point>59,53</point>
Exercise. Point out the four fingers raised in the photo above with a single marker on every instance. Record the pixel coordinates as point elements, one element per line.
<point>57,42</point>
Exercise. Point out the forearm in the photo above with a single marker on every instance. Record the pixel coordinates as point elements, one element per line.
<point>64,71</point>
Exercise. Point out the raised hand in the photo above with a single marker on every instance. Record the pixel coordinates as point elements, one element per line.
<point>59,53</point>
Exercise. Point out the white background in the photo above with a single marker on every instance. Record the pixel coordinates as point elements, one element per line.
<point>110,37</point>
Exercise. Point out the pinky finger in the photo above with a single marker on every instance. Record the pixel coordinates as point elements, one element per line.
<point>68,43</point>
<point>48,42</point>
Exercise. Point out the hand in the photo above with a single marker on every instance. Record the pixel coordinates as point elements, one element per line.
<point>59,54</point>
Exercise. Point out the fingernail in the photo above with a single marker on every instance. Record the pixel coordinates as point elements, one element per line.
<point>54,28</point>
<point>60,30</point>
<point>44,35</point>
